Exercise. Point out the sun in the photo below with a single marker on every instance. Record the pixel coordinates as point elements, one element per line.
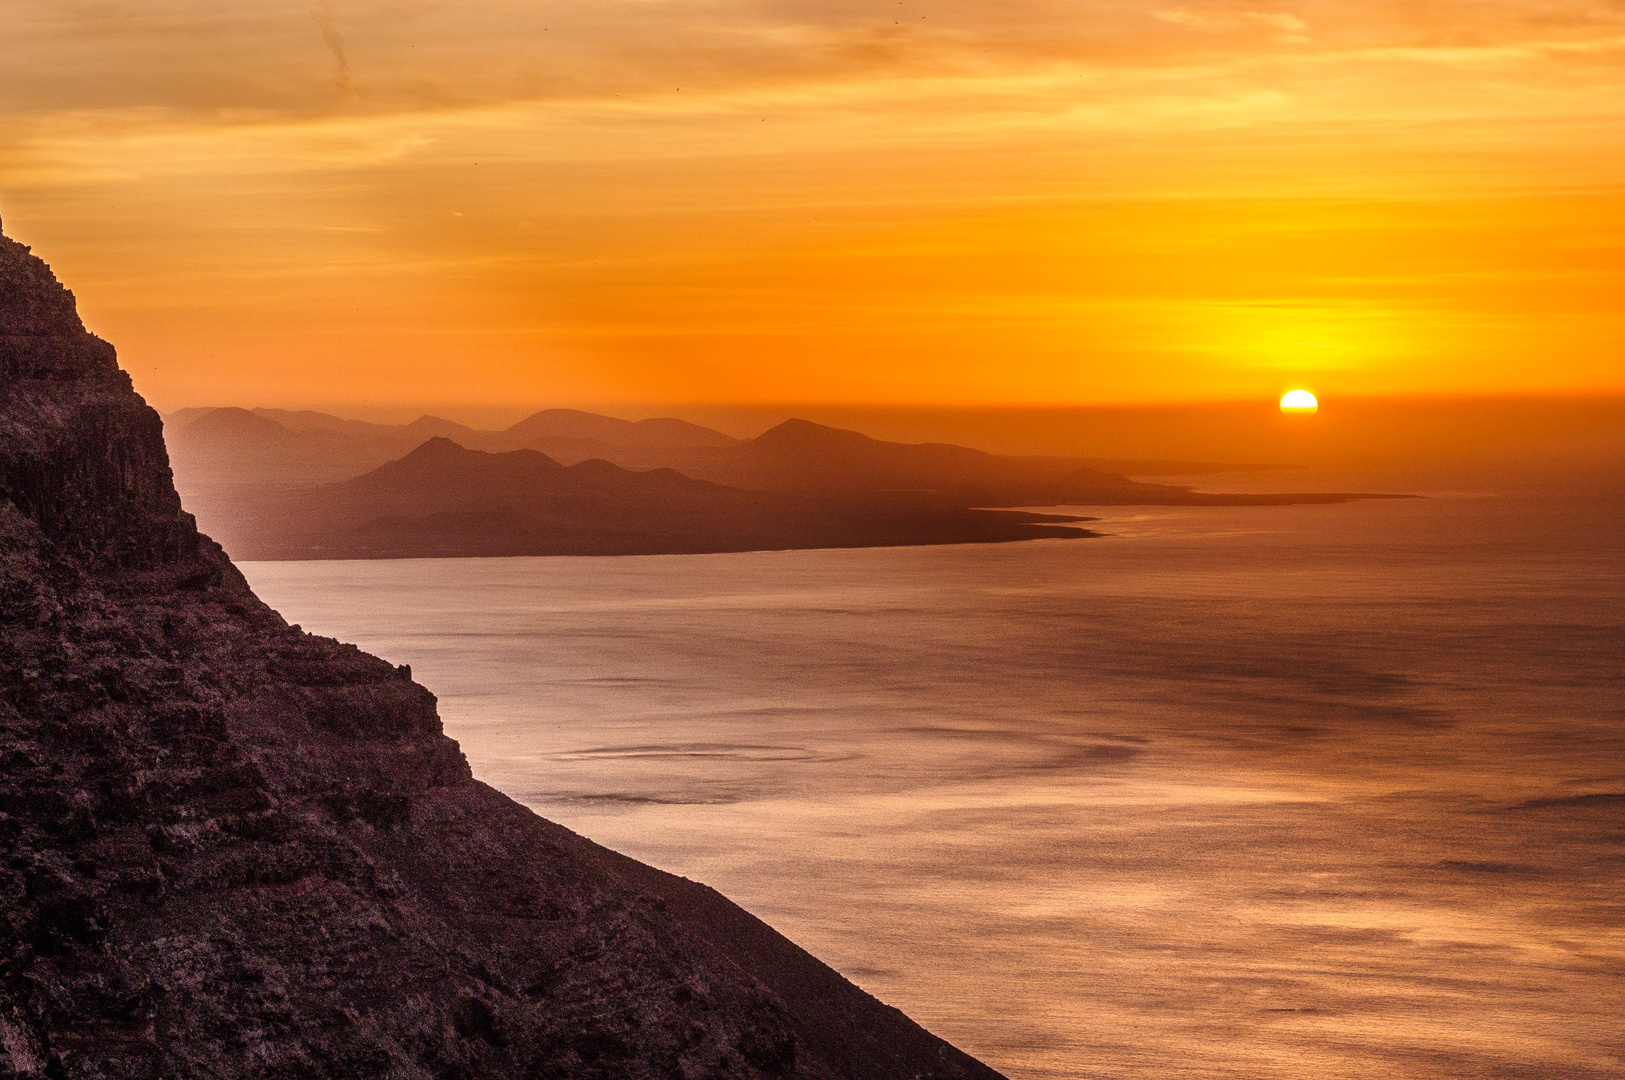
<point>1298,401</point>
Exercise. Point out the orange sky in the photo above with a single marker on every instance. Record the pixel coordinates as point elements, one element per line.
<point>1035,201</point>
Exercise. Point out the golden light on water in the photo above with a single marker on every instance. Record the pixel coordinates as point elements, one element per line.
<point>1299,401</point>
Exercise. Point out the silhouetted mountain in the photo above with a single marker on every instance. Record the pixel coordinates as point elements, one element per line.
<point>435,426</point>
<point>802,456</point>
<point>810,459</point>
<point>216,451</point>
<point>230,423</point>
<point>245,475</point>
<point>446,500</point>
<point>395,439</point>
<point>440,463</point>
<point>233,447</point>
<point>233,849</point>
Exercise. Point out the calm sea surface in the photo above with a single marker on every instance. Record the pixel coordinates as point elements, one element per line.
<point>1287,792</point>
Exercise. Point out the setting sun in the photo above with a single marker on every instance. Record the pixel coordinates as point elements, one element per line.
<point>1025,204</point>
<point>1299,401</point>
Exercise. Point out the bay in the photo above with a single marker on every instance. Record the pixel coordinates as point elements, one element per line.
<point>1233,792</point>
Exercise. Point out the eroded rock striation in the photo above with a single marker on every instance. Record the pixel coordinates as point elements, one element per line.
<point>232,849</point>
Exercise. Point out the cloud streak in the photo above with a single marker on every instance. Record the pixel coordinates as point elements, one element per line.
<point>1289,28</point>
<point>342,78</point>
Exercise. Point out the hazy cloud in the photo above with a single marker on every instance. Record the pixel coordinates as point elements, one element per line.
<point>254,54</point>
<point>1289,27</point>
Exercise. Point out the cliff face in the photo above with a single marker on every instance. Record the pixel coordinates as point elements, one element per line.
<point>232,849</point>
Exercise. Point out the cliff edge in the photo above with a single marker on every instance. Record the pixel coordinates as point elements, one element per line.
<point>232,849</point>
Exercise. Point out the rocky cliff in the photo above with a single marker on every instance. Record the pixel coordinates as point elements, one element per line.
<point>232,849</point>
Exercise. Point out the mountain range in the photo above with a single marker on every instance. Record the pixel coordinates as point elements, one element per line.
<point>445,500</point>
<point>278,446</point>
<point>280,485</point>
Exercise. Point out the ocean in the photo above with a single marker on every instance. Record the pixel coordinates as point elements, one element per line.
<point>1332,791</point>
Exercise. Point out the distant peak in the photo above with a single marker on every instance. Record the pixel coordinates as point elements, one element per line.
<point>805,432</point>
<point>426,422</point>
<point>542,413</point>
<point>571,423</point>
<point>441,449</point>
<point>230,420</point>
<point>597,467</point>
<point>439,446</point>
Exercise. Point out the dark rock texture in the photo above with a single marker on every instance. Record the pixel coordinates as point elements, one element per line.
<point>232,849</point>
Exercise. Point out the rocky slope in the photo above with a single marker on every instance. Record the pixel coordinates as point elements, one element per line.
<point>232,849</point>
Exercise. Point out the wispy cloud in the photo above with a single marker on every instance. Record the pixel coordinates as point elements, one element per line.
<point>1289,28</point>
<point>342,77</point>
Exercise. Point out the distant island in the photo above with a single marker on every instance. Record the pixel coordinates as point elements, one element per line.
<point>303,485</point>
<point>444,500</point>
